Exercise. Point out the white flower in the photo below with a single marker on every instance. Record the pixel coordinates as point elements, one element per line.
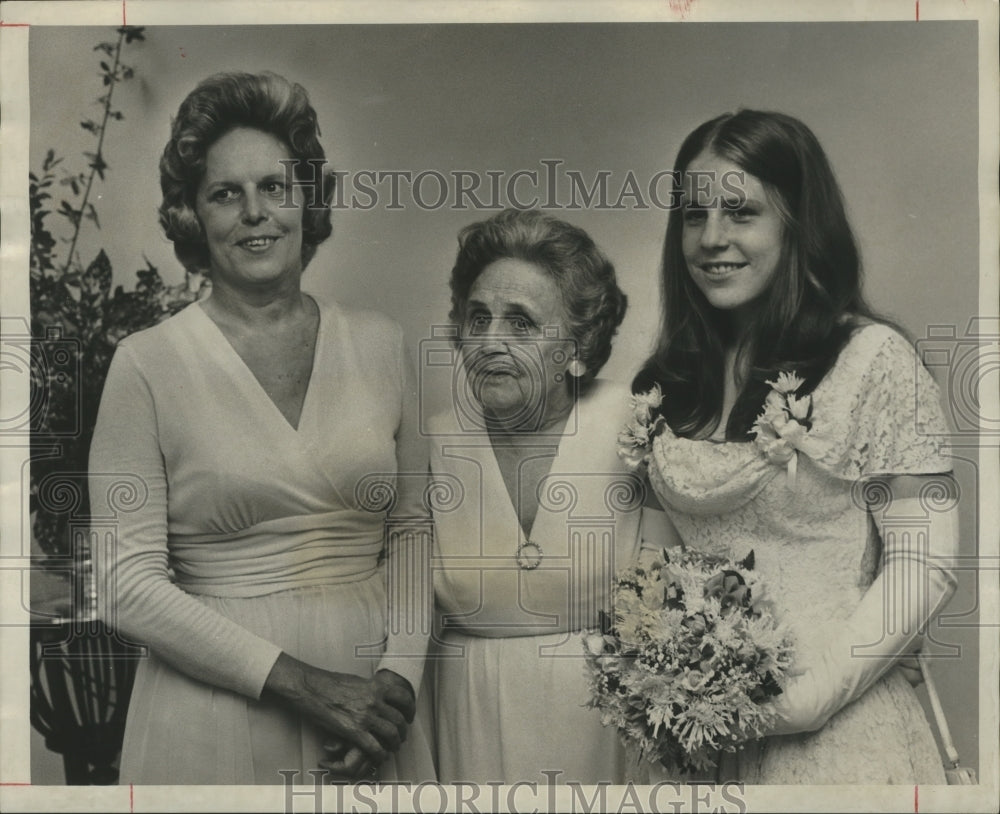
<point>633,445</point>
<point>792,432</point>
<point>635,438</point>
<point>780,430</point>
<point>774,401</point>
<point>643,404</point>
<point>776,448</point>
<point>787,383</point>
<point>799,407</point>
<point>594,643</point>
<point>774,417</point>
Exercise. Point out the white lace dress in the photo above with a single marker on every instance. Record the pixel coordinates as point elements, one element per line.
<point>876,412</point>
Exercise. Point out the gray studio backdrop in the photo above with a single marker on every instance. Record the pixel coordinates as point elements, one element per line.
<point>895,105</point>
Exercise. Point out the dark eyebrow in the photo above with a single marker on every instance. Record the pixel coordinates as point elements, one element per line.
<point>512,309</point>
<point>737,201</point>
<point>228,182</point>
<point>517,309</point>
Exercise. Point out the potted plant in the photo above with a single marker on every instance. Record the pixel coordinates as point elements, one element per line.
<point>81,672</point>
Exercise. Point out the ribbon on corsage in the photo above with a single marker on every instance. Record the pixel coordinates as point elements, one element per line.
<point>781,429</point>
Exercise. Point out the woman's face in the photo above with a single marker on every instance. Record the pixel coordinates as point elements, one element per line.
<point>515,345</point>
<point>252,219</point>
<point>732,235</point>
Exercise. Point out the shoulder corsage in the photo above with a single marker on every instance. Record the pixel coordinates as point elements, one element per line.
<point>781,429</point>
<point>635,441</point>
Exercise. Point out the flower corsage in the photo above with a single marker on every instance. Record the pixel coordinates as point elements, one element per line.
<point>780,430</point>
<point>635,441</point>
<point>688,662</point>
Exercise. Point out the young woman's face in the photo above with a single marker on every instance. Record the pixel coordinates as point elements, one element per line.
<point>732,235</point>
<point>252,220</point>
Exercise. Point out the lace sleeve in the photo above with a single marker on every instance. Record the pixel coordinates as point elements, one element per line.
<point>879,411</point>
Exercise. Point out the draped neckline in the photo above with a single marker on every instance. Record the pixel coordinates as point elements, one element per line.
<point>548,442</point>
<point>238,366</point>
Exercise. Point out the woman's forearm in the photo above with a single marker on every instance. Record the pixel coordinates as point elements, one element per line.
<point>914,585</point>
<point>135,593</point>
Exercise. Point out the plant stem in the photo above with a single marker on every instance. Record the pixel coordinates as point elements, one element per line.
<point>100,145</point>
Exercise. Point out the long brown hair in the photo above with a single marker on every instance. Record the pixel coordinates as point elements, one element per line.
<point>808,312</point>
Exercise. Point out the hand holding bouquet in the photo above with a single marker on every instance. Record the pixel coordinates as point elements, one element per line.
<point>689,660</point>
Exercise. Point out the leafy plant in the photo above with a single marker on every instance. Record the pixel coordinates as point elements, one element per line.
<point>77,319</point>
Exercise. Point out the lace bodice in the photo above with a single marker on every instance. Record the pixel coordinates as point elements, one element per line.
<point>876,413</point>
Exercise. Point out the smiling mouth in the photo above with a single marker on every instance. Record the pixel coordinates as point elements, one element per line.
<point>721,268</point>
<point>257,242</point>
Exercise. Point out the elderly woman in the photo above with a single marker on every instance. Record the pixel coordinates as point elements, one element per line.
<point>544,510</point>
<point>253,420</point>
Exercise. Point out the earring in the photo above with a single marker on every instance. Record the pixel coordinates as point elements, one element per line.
<point>576,368</point>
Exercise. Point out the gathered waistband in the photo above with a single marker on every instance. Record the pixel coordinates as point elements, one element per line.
<point>276,555</point>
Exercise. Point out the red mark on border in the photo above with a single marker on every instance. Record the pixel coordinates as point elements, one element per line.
<point>681,7</point>
<point>916,789</point>
<point>15,784</point>
<point>13,25</point>
<point>918,11</point>
<point>123,13</point>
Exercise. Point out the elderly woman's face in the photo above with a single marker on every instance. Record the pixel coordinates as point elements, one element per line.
<point>252,220</point>
<point>515,344</point>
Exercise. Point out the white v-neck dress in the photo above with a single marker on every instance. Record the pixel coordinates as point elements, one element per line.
<point>510,686</point>
<point>243,537</point>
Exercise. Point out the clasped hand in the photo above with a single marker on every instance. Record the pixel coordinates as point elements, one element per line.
<point>347,760</point>
<point>366,718</point>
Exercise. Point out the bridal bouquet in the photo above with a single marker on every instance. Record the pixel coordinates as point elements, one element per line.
<point>690,658</point>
